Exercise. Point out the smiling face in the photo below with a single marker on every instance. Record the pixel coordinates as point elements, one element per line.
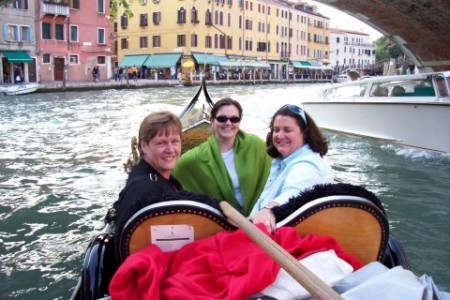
<point>226,131</point>
<point>163,150</point>
<point>287,136</point>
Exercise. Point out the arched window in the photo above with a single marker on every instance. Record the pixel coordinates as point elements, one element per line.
<point>181,15</point>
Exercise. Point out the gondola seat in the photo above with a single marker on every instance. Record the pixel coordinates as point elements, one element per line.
<point>201,218</point>
<point>358,223</point>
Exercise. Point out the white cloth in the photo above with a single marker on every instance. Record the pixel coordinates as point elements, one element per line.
<point>326,265</point>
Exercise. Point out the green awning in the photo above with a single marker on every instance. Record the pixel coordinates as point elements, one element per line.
<point>16,57</point>
<point>133,60</point>
<point>209,59</point>
<point>301,64</point>
<point>162,60</point>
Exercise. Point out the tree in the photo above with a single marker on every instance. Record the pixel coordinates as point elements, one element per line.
<point>115,4</point>
<point>386,48</point>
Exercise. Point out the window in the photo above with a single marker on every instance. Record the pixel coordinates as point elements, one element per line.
<point>46,31</point>
<point>124,21</point>
<point>156,18</point>
<point>18,33</point>
<point>181,40</point>
<point>101,60</point>
<point>46,58</point>
<point>73,33</point>
<point>74,4</point>
<point>181,18</point>
<point>101,6</point>
<point>143,42</point>
<point>123,43</point>
<point>194,15</point>
<point>194,40</point>
<point>208,42</point>
<point>101,36</point>
<point>143,20</point>
<point>59,32</point>
<point>73,59</point>
<point>21,4</point>
<point>156,41</point>
<point>208,18</point>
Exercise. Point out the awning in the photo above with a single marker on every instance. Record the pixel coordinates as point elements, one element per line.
<point>162,60</point>
<point>209,59</point>
<point>244,64</point>
<point>133,60</point>
<point>16,57</point>
<point>315,65</point>
<point>301,64</point>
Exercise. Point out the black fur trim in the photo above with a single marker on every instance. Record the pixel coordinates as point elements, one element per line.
<point>324,190</point>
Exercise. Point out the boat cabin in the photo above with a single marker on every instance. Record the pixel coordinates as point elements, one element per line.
<point>415,87</point>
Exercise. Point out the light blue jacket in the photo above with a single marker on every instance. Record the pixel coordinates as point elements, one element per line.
<point>288,177</point>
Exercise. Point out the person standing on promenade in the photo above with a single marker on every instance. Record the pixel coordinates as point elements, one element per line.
<point>231,165</point>
<point>297,146</point>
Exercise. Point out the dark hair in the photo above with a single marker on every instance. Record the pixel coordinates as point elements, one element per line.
<point>162,122</point>
<point>224,102</point>
<point>312,134</point>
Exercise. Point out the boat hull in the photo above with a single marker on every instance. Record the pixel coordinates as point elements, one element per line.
<point>21,89</point>
<point>420,125</point>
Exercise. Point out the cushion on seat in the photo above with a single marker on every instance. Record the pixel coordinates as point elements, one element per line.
<point>358,224</point>
<point>202,218</point>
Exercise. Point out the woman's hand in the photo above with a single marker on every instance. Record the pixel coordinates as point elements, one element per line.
<point>266,216</point>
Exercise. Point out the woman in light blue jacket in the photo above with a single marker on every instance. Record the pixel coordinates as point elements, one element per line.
<point>297,146</point>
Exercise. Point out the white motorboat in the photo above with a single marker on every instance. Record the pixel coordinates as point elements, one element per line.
<point>20,89</point>
<point>412,110</point>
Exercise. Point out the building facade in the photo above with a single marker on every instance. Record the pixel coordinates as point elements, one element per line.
<point>18,42</point>
<point>209,36</point>
<point>73,36</point>
<point>351,50</point>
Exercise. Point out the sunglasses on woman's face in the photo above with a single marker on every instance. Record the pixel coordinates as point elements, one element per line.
<point>223,119</point>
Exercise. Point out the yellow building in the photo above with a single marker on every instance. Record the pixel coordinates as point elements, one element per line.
<point>221,38</point>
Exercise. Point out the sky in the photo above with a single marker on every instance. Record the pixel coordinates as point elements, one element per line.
<point>342,20</point>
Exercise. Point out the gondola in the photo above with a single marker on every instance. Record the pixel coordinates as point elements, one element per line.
<point>353,216</point>
<point>195,121</point>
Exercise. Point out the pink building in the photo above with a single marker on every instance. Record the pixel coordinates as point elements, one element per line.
<point>73,37</point>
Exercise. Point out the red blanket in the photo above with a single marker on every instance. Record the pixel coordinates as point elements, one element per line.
<point>228,265</point>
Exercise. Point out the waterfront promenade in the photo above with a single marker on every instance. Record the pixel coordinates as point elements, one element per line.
<point>59,86</point>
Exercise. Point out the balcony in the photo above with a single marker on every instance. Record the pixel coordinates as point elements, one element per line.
<point>55,7</point>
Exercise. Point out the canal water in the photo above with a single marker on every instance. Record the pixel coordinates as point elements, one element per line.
<point>61,167</point>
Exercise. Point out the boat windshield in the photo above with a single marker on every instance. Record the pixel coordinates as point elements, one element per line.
<point>354,90</point>
<point>422,87</point>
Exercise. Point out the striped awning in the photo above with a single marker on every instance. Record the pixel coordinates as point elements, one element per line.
<point>17,57</point>
<point>244,64</point>
<point>162,60</point>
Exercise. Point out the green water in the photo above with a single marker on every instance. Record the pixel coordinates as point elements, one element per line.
<point>61,166</point>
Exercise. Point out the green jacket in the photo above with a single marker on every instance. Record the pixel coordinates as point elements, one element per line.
<point>202,170</point>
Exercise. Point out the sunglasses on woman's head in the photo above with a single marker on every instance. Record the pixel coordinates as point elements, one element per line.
<point>223,119</point>
<point>296,110</point>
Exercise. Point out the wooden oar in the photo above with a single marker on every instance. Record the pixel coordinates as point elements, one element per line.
<point>313,284</point>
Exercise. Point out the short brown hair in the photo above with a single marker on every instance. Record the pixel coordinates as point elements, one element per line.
<point>158,123</point>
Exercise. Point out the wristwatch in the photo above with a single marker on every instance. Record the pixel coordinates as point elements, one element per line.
<point>269,207</point>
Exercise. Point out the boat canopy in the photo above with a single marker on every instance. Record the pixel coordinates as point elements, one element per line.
<point>18,57</point>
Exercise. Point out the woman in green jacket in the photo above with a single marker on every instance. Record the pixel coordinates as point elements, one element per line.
<point>231,165</point>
